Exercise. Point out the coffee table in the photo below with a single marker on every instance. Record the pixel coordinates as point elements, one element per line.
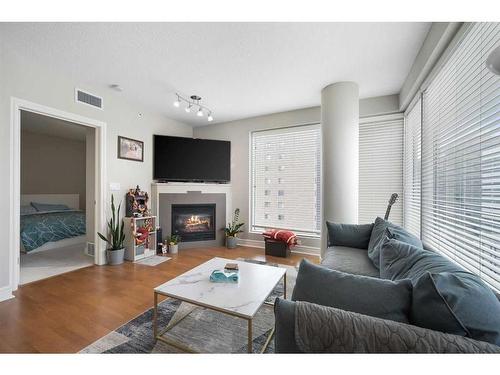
<point>242,300</point>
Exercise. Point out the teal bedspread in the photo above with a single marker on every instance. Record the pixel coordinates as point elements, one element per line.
<point>40,228</point>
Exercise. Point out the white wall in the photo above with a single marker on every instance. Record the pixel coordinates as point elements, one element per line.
<point>238,133</point>
<point>27,80</point>
<point>52,165</point>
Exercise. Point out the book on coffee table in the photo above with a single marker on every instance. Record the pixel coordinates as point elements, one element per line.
<point>231,267</point>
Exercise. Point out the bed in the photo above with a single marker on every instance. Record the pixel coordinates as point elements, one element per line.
<point>49,221</point>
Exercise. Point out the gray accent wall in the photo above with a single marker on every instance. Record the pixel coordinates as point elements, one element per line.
<point>193,197</point>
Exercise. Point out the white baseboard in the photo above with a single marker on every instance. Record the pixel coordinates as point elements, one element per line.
<point>299,249</point>
<point>6,293</point>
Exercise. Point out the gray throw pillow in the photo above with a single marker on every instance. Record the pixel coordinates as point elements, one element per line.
<point>379,233</point>
<point>350,235</point>
<point>365,295</point>
<point>458,303</point>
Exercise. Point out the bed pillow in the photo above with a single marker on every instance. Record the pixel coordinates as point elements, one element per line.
<point>46,207</point>
<point>362,294</point>
<point>458,303</point>
<point>27,210</point>
<point>351,235</point>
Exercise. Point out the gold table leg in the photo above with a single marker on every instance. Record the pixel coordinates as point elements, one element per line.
<point>250,339</point>
<point>155,316</point>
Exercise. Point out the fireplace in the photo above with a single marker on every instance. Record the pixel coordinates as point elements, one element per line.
<point>194,222</point>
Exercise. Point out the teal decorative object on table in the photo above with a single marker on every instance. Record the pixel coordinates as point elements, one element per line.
<point>219,276</point>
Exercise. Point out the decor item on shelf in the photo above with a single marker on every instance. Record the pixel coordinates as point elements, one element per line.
<point>191,104</point>
<point>393,199</point>
<point>116,236</point>
<point>164,247</point>
<point>141,239</point>
<point>130,149</point>
<point>232,230</point>
<point>136,203</point>
<point>173,243</point>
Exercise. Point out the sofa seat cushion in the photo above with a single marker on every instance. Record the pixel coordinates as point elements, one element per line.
<point>362,294</point>
<point>350,260</point>
<point>351,235</point>
<point>383,228</point>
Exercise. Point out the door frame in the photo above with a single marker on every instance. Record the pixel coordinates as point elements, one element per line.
<point>18,105</point>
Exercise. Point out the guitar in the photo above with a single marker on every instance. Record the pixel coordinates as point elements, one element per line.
<point>393,199</point>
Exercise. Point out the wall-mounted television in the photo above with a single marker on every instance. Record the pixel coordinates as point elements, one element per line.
<point>191,159</point>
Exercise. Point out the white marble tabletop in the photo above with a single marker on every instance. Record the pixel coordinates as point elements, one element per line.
<point>243,299</point>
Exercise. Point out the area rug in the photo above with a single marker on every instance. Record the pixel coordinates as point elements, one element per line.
<point>153,261</point>
<point>204,330</point>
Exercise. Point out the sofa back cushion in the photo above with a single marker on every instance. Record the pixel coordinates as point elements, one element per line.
<point>383,228</point>
<point>400,260</point>
<point>365,295</point>
<point>445,296</point>
<point>350,235</point>
<point>458,303</point>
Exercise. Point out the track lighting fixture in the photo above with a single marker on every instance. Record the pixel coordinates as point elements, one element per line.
<point>193,101</point>
<point>177,102</point>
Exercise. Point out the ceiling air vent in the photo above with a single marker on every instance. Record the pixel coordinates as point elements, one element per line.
<point>88,99</point>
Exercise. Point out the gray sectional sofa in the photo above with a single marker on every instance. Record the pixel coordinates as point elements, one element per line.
<point>378,290</point>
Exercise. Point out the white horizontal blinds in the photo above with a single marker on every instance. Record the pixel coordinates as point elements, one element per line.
<point>461,157</point>
<point>286,179</point>
<point>380,167</point>
<point>412,169</point>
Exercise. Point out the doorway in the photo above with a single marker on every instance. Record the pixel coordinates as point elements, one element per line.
<point>85,246</point>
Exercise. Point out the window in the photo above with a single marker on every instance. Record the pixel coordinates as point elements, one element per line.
<point>460,157</point>
<point>380,167</point>
<point>412,169</point>
<point>291,199</point>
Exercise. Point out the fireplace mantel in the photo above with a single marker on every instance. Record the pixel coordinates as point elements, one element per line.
<point>158,188</point>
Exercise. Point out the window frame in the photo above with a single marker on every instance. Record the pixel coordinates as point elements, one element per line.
<point>251,228</point>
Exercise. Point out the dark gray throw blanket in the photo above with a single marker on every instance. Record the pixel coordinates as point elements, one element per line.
<point>321,329</point>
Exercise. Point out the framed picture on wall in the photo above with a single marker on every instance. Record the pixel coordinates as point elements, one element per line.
<point>130,149</point>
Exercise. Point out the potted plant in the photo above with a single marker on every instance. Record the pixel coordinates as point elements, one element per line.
<point>232,230</point>
<point>173,243</point>
<point>115,251</point>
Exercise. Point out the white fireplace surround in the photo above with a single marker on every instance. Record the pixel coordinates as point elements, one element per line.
<point>158,188</point>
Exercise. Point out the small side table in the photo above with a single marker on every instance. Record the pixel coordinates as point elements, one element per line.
<point>276,248</point>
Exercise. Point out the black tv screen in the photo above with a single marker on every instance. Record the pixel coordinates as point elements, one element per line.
<point>191,159</point>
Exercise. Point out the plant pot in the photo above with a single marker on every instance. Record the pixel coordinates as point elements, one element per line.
<point>115,257</point>
<point>231,242</point>
<point>173,249</point>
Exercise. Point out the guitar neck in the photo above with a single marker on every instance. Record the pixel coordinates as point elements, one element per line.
<point>387,212</point>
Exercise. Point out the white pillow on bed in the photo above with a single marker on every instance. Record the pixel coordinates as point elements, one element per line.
<point>27,210</point>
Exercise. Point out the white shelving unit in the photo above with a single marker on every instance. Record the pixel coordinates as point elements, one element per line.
<point>133,250</point>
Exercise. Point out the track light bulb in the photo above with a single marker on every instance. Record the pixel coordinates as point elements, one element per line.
<point>199,113</point>
<point>188,108</point>
<point>177,103</point>
<point>210,118</point>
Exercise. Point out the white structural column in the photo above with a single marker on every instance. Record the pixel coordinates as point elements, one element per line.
<point>340,133</point>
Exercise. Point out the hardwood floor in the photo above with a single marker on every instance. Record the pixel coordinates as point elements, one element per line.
<point>65,313</point>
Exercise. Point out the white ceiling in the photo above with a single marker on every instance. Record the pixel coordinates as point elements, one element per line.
<point>239,69</point>
<point>40,124</point>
